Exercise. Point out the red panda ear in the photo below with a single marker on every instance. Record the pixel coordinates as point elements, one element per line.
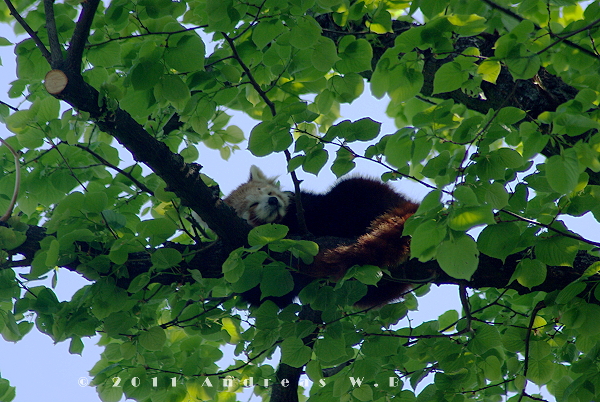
<point>256,174</point>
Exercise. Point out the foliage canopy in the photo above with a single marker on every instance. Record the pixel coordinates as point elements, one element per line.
<point>497,108</point>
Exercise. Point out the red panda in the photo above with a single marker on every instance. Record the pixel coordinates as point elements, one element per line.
<point>362,208</point>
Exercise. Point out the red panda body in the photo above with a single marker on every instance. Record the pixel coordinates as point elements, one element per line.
<point>361,208</point>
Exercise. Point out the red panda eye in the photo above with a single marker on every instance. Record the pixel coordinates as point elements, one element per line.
<point>253,204</point>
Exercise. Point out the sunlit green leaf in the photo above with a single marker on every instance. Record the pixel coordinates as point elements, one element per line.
<point>458,257</point>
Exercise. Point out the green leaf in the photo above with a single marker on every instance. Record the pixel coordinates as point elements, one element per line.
<point>45,301</point>
<point>96,201</point>
<point>119,323</point>
<point>314,161</point>
<point>114,219</point>
<point>268,137</point>
<point>529,273</point>
<point>187,55</point>
<point>591,270</point>
<point>499,240</point>
<point>398,148</point>
<point>486,338</point>
<point>458,257</point>
<point>363,393</point>
<point>265,234</point>
<point>489,70</point>
<point>139,282</point>
<point>510,115</point>
<point>266,31</point>
<point>405,82</point>
<point>277,281</point>
<point>367,274</point>
<point>107,55</point>
<point>153,339</point>
<point>343,163</point>
<point>45,109</point>
<point>190,154</point>
<point>294,352</point>
<point>365,129</point>
<point>449,77</point>
<point>425,239</point>
<point>346,88</point>
<point>164,258</point>
<point>146,75</point>
<point>52,253</point>
<point>157,230</point>
<point>306,33</point>
<point>570,292</point>
<point>174,89</point>
<point>562,172</point>
<point>496,195</point>
<point>468,25</point>
<point>524,67</point>
<point>508,157</point>
<point>447,320</point>
<point>10,239</point>
<point>468,130</point>
<point>557,250</point>
<point>75,348</point>
<point>540,371</point>
<point>7,393</point>
<point>355,55</point>
<point>466,196</point>
<point>464,218</point>
<point>324,55</point>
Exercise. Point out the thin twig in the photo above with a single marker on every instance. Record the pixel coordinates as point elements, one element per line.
<point>31,32</point>
<point>560,232</point>
<point>135,181</point>
<point>144,34</point>
<point>253,81</point>
<point>265,98</point>
<point>519,18</point>
<point>540,305</point>
<point>563,38</point>
<point>9,106</point>
<point>464,300</point>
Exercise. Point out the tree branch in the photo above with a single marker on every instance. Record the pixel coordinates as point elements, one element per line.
<point>135,181</point>
<point>182,178</point>
<point>55,47</point>
<point>519,18</point>
<point>31,32</point>
<point>80,35</point>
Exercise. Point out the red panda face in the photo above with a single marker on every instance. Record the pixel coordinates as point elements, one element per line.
<point>260,200</point>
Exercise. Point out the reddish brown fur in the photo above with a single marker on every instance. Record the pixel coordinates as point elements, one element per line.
<point>383,245</point>
<point>344,211</point>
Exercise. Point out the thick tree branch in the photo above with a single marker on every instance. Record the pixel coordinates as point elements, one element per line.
<point>80,35</point>
<point>183,179</point>
<point>285,388</point>
<point>491,272</point>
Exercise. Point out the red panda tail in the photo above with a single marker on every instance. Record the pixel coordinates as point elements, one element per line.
<point>383,245</point>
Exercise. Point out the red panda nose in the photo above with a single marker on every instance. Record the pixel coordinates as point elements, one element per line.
<point>273,201</point>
